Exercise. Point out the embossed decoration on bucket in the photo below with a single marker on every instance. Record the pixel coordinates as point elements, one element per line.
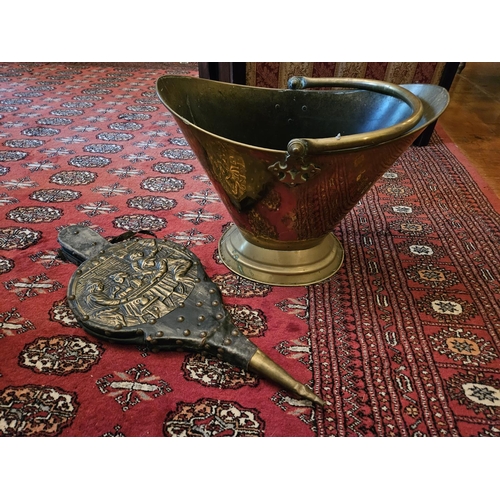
<point>290,164</point>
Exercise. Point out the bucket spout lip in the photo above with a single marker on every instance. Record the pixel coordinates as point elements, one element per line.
<point>428,102</point>
<point>435,100</point>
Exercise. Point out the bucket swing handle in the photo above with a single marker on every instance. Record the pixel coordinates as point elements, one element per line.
<point>301,147</point>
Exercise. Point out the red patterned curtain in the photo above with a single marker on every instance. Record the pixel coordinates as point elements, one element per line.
<point>276,74</point>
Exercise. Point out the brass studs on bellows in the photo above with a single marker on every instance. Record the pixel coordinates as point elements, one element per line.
<point>152,341</point>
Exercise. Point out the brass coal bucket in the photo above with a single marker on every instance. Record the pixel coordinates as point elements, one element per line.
<point>289,164</point>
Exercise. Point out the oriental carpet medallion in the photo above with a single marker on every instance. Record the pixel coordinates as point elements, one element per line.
<point>403,341</point>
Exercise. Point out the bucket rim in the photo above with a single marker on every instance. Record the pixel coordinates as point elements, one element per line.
<point>424,121</point>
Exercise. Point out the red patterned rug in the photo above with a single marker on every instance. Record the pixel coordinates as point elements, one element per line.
<point>403,341</point>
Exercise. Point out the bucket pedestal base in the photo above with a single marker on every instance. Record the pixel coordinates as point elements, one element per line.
<point>280,267</point>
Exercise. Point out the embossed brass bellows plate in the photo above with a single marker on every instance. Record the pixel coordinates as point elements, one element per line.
<point>290,164</point>
<point>153,292</point>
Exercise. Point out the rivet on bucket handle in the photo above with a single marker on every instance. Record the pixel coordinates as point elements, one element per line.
<point>301,146</point>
